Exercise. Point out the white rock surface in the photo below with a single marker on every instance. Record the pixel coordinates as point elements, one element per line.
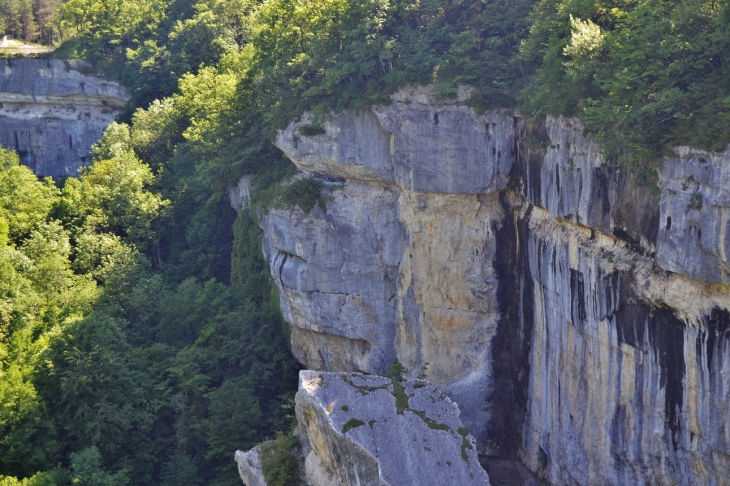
<point>249,467</point>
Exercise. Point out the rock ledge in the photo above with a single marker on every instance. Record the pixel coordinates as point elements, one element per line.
<point>371,430</point>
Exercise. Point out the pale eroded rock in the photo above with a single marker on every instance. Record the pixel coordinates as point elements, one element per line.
<point>240,194</point>
<point>373,431</point>
<point>529,288</point>
<point>416,143</point>
<point>336,272</point>
<point>249,467</point>
<point>447,312</point>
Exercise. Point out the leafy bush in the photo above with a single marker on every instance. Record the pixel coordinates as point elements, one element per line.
<point>311,130</point>
<point>303,192</point>
<point>396,372</point>
<point>352,424</point>
<point>645,75</point>
<point>279,462</point>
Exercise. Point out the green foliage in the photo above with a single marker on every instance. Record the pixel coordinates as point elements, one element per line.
<point>696,202</point>
<point>338,54</point>
<point>123,357</point>
<point>279,464</point>
<point>645,75</point>
<point>396,372</point>
<point>302,192</point>
<point>465,444</point>
<point>311,130</point>
<point>24,201</point>
<point>401,397</point>
<point>54,477</point>
<point>432,424</point>
<point>352,424</point>
<point>423,371</point>
<point>86,469</point>
<point>33,21</point>
<point>106,28</point>
<point>140,336</point>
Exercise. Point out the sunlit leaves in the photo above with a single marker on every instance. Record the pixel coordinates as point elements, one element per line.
<point>645,75</point>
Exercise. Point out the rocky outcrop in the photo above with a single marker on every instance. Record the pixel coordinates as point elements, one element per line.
<point>581,323</point>
<point>249,467</point>
<point>52,115</point>
<point>416,143</point>
<point>336,274</point>
<point>374,431</point>
<point>240,195</point>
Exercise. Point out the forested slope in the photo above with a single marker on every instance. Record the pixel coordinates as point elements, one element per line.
<point>140,338</point>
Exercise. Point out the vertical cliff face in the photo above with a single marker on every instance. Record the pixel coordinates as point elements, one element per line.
<point>52,115</point>
<point>695,204</point>
<point>401,266</point>
<point>527,278</point>
<point>337,274</point>
<point>626,376</point>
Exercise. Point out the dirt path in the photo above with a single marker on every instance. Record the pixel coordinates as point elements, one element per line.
<point>10,46</point>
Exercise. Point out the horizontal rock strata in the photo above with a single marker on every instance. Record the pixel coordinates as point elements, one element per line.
<point>52,115</point>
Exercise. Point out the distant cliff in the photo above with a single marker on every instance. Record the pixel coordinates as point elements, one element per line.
<point>52,115</point>
<point>581,323</point>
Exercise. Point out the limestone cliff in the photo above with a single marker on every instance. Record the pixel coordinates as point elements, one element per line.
<point>581,323</point>
<point>369,430</point>
<point>52,115</point>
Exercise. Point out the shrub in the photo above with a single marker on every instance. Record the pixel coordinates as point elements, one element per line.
<point>279,463</point>
<point>352,424</point>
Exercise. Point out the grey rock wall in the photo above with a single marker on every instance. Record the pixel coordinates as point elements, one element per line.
<point>373,431</point>
<point>337,273</point>
<point>417,143</point>
<point>537,286</point>
<point>622,390</point>
<point>564,172</point>
<point>572,180</point>
<point>52,115</point>
<point>249,467</point>
<point>695,206</point>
